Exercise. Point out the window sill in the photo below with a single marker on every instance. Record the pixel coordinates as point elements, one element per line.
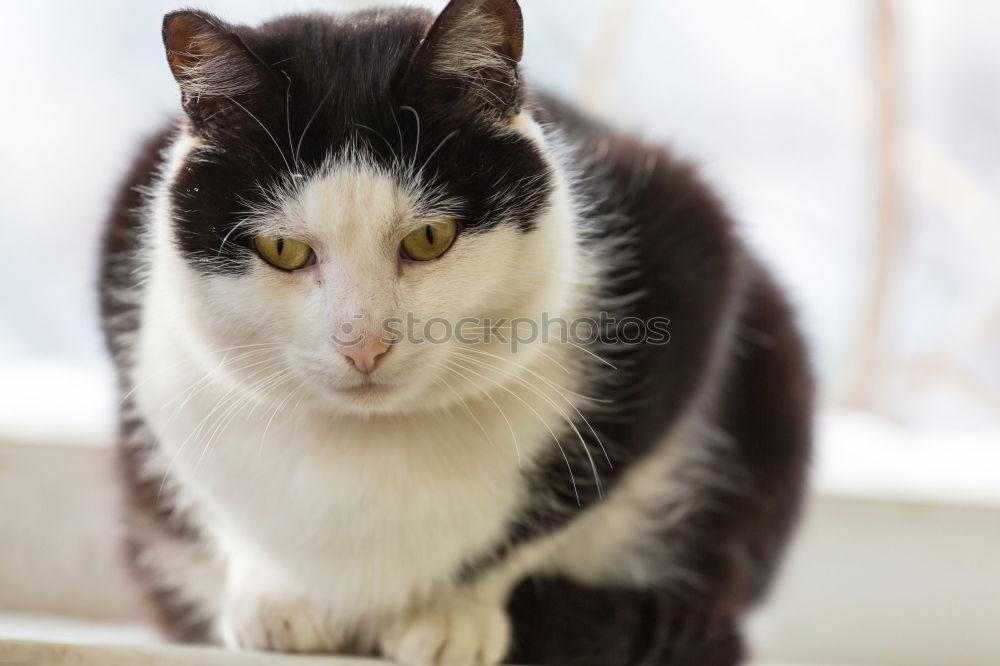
<point>861,456</point>
<point>52,402</point>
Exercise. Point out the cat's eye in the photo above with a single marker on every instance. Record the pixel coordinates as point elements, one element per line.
<point>430,241</point>
<point>284,253</point>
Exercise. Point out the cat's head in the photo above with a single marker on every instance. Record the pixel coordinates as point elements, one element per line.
<point>339,178</point>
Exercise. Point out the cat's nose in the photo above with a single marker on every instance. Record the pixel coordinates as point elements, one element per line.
<point>365,355</point>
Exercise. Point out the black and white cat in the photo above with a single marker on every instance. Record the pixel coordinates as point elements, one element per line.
<point>298,480</point>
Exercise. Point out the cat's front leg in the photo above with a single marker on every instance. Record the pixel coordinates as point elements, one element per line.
<point>463,631</point>
<point>263,612</point>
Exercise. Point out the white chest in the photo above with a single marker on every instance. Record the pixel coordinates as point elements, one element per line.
<point>378,512</point>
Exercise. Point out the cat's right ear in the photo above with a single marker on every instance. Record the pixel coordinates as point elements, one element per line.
<point>211,63</point>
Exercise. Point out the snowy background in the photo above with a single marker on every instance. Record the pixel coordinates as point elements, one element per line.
<point>778,100</point>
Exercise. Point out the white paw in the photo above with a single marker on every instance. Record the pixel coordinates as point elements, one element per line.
<point>278,625</point>
<point>457,634</point>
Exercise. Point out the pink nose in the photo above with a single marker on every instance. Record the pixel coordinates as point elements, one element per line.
<point>364,356</point>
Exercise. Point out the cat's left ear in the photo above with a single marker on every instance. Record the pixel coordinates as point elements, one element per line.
<point>471,55</point>
<point>212,64</point>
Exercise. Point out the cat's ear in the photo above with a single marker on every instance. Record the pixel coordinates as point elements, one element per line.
<point>471,54</point>
<point>212,65</point>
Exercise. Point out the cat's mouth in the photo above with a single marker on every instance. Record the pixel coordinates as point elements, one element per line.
<point>367,397</point>
<point>368,389</point>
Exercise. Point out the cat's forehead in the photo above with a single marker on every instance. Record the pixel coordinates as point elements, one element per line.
<point>340,66</point>
<point>352,206</point>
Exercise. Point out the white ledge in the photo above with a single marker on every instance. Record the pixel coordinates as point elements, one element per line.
<point>59,654</point>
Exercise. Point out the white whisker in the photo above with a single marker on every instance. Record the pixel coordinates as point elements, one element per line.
<point>510,426</point>
<point>416,151</point>
<point>562,413</point>
<point>263,127</point>
<point>561,390</point>
<point>555,438</point>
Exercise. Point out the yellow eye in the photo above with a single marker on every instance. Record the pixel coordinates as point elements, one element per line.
<point>430,241</point>
<point>284,253</point>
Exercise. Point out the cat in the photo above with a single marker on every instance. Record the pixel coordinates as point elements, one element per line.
<point>581,441</point>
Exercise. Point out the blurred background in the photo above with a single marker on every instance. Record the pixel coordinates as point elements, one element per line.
<point>858,144</point>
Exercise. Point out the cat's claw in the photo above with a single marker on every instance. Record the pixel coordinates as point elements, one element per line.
<point>457,634</point>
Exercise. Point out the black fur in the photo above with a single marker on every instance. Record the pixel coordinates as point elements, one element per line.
<point>735,355</point>
<point>557,621</point>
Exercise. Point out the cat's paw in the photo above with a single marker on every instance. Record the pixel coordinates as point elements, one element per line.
<point>278,625</point>
<point>457,634</point>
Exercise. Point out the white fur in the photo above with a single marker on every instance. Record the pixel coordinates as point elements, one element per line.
<point>342,517</point>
